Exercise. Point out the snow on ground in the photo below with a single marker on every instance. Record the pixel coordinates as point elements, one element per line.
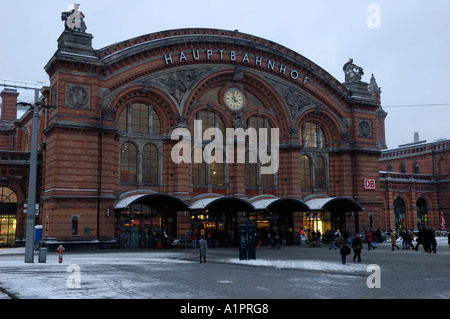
<point>102,274</point>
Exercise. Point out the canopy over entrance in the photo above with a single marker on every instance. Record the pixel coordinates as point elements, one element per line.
<point>285,204</point>
<point>334,204</point>
<point>168,201</point>
<point>225,203</point>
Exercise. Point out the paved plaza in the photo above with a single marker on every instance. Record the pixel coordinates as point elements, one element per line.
<point>291,272</point>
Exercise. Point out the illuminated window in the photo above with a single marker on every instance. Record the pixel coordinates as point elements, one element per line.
<point>8,217</point>
<point>311,135</point>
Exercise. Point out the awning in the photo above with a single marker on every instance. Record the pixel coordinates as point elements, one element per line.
<point>290,204</point>
<point>335,204</point>
<point>169,200</point>
<point>228,202</point>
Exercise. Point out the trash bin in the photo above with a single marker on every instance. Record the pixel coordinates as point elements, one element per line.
<point>42,255</point>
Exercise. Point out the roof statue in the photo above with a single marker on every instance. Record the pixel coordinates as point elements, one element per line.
<point>74,18</point>
<point>353,73</point>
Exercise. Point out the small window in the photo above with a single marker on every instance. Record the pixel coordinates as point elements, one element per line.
<point>74,225</point>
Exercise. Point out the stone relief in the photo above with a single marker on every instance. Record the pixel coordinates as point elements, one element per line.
<point>177,84</point>
<point>77,95</point>
<point>365,128</point>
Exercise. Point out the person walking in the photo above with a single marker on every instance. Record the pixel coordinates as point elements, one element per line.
<point>369,239</point>
<point>340,243</point>
<point>394,240</point>
<point>203,249</point>
<point>357,247</point>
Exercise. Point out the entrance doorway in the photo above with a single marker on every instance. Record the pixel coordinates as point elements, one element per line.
<point>8,217</point>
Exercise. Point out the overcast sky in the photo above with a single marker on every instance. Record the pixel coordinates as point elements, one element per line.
<point>404,43</point>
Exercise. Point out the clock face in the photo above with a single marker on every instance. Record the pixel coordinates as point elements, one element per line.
<point>234,98</point>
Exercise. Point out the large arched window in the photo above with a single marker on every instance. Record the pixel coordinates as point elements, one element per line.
<point>128,163</point>
<point>150,164</point>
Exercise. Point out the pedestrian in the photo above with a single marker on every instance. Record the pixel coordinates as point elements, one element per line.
<point>357,247</point>
<point>369,239</point>
<point>449,238</point>
<point>421,240</point>
<point>194,239</point>
<point>340,243</point>
<point>431,241</point>
<point>394,240</point>
<point>332,238</point>
<point>203,248</point>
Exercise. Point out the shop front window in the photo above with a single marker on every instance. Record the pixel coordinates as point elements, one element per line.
<point>8,217</point>
<point>400,213</point>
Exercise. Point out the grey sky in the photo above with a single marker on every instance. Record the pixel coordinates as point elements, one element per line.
<point>408,54</point>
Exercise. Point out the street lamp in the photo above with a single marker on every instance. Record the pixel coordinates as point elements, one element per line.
<point>31,209</point>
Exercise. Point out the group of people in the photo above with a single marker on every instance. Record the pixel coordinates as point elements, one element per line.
<point>425,237</point>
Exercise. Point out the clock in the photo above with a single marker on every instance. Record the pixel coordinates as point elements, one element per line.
<point>234,98</point>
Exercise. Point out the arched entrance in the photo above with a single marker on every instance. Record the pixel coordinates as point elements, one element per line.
<point>330,213</point>
<point>276,215</point>
<point>146,219</point>
<point>217,219</point>
<point>399,213</point>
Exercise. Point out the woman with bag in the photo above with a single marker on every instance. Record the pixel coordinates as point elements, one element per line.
<point>357,247</point>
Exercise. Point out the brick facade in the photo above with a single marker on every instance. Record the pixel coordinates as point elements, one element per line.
<point>89,190</point>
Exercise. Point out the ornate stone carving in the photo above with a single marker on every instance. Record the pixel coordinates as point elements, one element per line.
<point>238,121</point>
<point>177,84</point>
<point>77,95</point>
<point>365,128</point>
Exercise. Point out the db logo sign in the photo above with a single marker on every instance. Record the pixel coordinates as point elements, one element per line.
<point>369,184</point>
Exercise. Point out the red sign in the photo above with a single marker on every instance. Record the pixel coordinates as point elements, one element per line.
<point>369,184</point>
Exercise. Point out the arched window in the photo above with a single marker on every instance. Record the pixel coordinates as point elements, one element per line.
<point>305,168</point>
<point>128,163</point>
<point>399,213</point>
<point>311,135</point>
<point>140,118</point>
<point>210,119</point>
<point>320,180</point>
<point>150,164</point>
<point>422,213</point>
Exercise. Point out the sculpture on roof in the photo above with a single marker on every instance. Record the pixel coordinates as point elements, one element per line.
<point>353,73</point>
<point>73,18</point>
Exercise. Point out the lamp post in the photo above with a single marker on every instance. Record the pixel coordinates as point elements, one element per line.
<point>31,209</point>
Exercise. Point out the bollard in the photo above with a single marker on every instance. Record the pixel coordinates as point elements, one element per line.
<point>42,255</point>
<point>60,251</point>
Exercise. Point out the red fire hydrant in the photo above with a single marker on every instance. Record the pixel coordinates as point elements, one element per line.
<point>60,251</point>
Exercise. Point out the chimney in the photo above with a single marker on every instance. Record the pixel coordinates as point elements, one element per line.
<point>416,137</point>
<point>9,104</point>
